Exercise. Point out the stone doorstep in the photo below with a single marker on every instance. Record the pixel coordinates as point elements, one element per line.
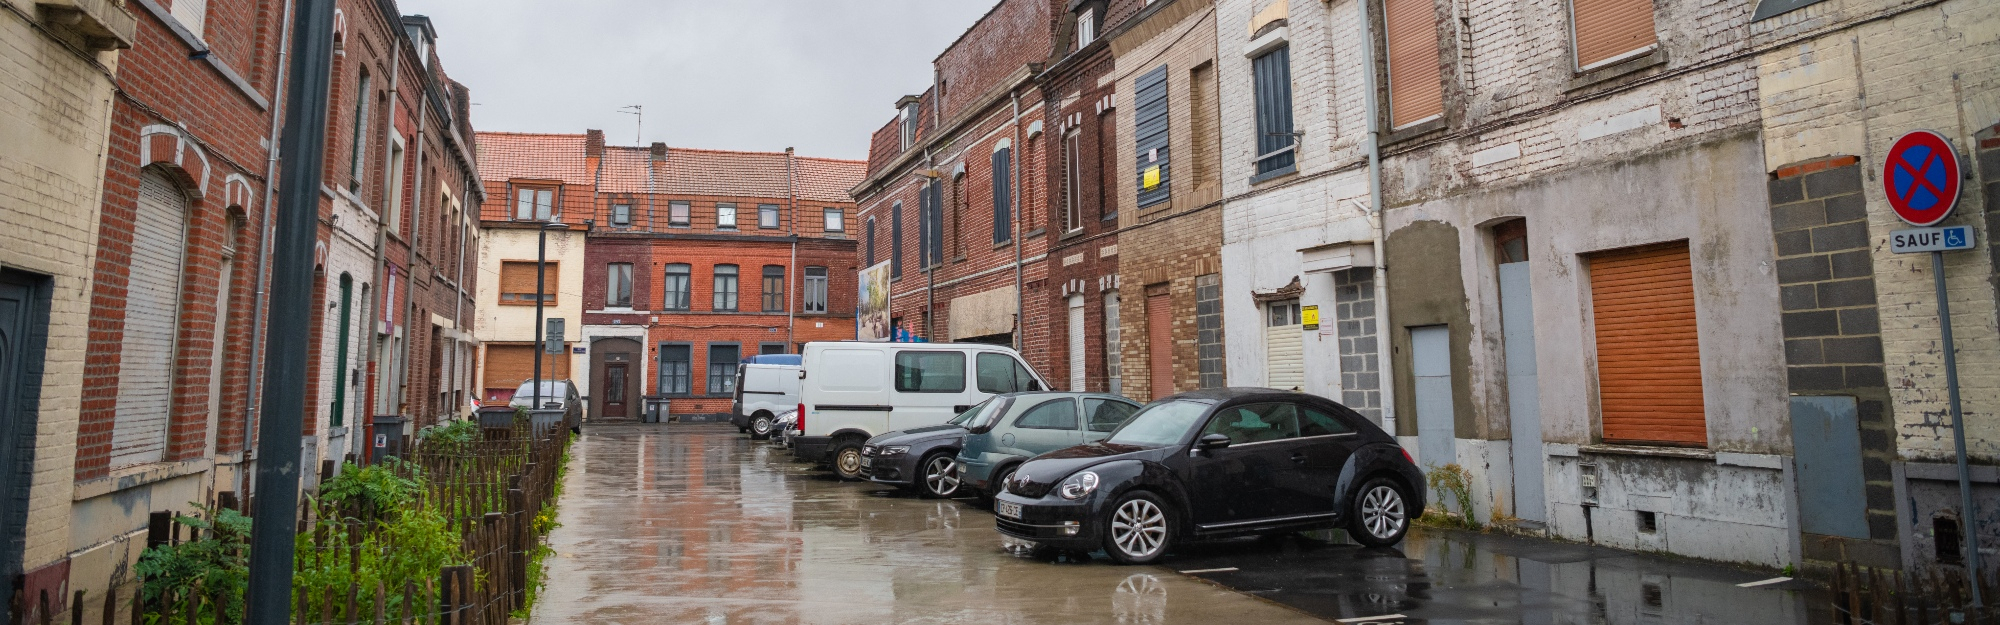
<point>1520,527</point>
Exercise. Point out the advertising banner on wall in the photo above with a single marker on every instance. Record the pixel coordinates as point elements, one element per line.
<point>872,314</point>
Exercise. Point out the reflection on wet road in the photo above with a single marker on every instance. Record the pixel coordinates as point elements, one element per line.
<point>697,524</point>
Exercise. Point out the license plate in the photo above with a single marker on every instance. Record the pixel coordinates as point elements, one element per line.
<point>867,462</point>
<point>1009,510</point>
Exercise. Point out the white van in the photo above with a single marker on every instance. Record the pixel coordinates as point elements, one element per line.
<point>764,390</point>
<point>853,391</point>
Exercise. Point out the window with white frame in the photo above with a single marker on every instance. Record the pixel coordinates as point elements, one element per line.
<point>1072,182</point>
<point>725,215</point>
<point>815,290</point>
<point>767,216</point>
<point>836,220</point>
<point>677,213</point>
<point>534,203</point>
<point>1086,27</point>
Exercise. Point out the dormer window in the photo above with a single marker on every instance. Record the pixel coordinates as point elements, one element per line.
<point>1086,27</point>
<point>909,124</point>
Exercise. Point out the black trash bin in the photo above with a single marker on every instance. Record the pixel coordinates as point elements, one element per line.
<point>389,435</point>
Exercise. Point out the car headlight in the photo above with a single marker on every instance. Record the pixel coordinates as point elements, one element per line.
<point>1078,485</point>
<point>895,450</point>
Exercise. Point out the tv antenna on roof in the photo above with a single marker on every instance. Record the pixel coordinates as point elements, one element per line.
<point>639,133</point>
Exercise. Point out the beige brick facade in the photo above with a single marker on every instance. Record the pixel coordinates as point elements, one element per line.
<point>1850,87</point>
<point>1841,81</point>
<point>57,95</point>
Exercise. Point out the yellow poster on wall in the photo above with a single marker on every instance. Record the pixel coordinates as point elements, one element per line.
<point>1309,315</point>
<point>1151,178</point>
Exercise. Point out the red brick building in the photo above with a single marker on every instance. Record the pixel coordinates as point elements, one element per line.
<point>951,200</point>
<point>691,261</point>
<point>992,192</point>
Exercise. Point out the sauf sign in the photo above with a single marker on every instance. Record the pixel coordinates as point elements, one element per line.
<point>1920,177</point>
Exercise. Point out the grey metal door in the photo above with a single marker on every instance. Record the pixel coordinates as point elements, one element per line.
<point>1826,439</point>
<point>1430,364</point>
<point>19,322</point>
<point>1524,402</point>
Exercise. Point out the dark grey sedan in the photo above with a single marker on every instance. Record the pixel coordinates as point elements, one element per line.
<point>923,459</point>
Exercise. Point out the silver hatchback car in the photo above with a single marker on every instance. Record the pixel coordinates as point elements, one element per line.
<point>1032,424</point>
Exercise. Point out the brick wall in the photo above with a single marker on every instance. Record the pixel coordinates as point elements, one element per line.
<point>1832,327</point>
<point>1012,34</point>
<point>220,154</point>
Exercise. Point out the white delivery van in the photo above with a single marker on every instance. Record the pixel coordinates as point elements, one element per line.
<point>766,386</point>
<point>853,391</point>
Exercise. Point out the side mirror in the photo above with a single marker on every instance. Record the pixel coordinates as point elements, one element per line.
<point>1212,441</point>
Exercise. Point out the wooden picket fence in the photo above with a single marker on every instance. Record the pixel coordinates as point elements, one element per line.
<point>489,491</point>
<point>1869,596</point>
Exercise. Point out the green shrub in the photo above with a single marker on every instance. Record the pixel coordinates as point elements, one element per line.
<point>215,564</point>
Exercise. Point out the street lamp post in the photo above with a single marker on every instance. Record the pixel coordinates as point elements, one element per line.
<point>541,299</point>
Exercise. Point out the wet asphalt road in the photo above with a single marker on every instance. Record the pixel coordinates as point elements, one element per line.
<point>698,524</point>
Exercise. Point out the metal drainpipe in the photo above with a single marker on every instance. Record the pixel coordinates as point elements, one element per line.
<point>257,315</point>
<point>923,252</point>
<point>416,227</point>
<point>1014,214</point>
<point>1383,329</point>
<point>791,208</point>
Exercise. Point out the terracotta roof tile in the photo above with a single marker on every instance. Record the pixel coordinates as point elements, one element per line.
<point>688,171</point>
<point>507,155</point>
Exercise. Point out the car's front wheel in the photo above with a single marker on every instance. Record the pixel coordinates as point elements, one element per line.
<point>760,427</point>
<point>1139,529</point>
<point>847,459</point>
<point>940,475</point>
<point>1380,514</point>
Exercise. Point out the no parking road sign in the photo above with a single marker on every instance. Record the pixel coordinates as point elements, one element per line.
<point>1921,177</point>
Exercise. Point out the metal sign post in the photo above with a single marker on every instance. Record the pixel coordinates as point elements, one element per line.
<point>1920,177</point>
<point>282,416</point>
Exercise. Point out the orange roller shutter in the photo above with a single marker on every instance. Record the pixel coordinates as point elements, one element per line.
<point>1648,353</point>
<point>1416,83</point>
<point>1607,29</point>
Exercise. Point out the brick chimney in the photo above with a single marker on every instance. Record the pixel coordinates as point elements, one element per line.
<point>593,144</point>
<point>659,151</point>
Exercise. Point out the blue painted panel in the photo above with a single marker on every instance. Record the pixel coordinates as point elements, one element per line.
<point>1524,404</point>
<point>1826,441</point>
<point>1430,362</point>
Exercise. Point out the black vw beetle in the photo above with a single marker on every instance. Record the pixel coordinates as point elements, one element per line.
<point>1216,463</point>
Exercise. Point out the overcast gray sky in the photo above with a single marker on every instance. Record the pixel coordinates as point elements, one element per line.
<point>819,75</point>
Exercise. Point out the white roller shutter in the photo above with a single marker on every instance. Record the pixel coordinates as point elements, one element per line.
<point>1076,356</point>
<point>152,310</point>
<point>1284,347</point>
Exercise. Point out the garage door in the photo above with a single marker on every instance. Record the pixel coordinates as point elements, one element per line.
<point>1648,355</point>
<point>507,366</point>
<point>152,306</point>
<point>1284,346</point>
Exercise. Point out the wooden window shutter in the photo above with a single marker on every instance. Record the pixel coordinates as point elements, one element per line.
<point>1160,341</point>
<point>1648,353</point>
<point>1608,29</point>
<point>1416,82</point>
<point>517,282</point>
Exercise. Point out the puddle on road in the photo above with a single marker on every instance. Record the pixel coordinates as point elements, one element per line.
<point>1442,576</point>
<point>694,525</point>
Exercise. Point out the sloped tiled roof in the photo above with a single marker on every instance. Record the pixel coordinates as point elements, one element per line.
<point>688,171</point>
<point>507,155</point>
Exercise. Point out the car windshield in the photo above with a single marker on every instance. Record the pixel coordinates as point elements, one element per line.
<point>1159,425</point>
<point>980,414</point>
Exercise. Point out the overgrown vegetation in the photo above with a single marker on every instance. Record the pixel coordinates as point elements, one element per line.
<point>1455,482</point>
<point>217,564</point>
<point>378,537</point>
<point>543,524</point>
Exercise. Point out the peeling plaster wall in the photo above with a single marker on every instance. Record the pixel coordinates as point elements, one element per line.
<point>1709,194</point>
